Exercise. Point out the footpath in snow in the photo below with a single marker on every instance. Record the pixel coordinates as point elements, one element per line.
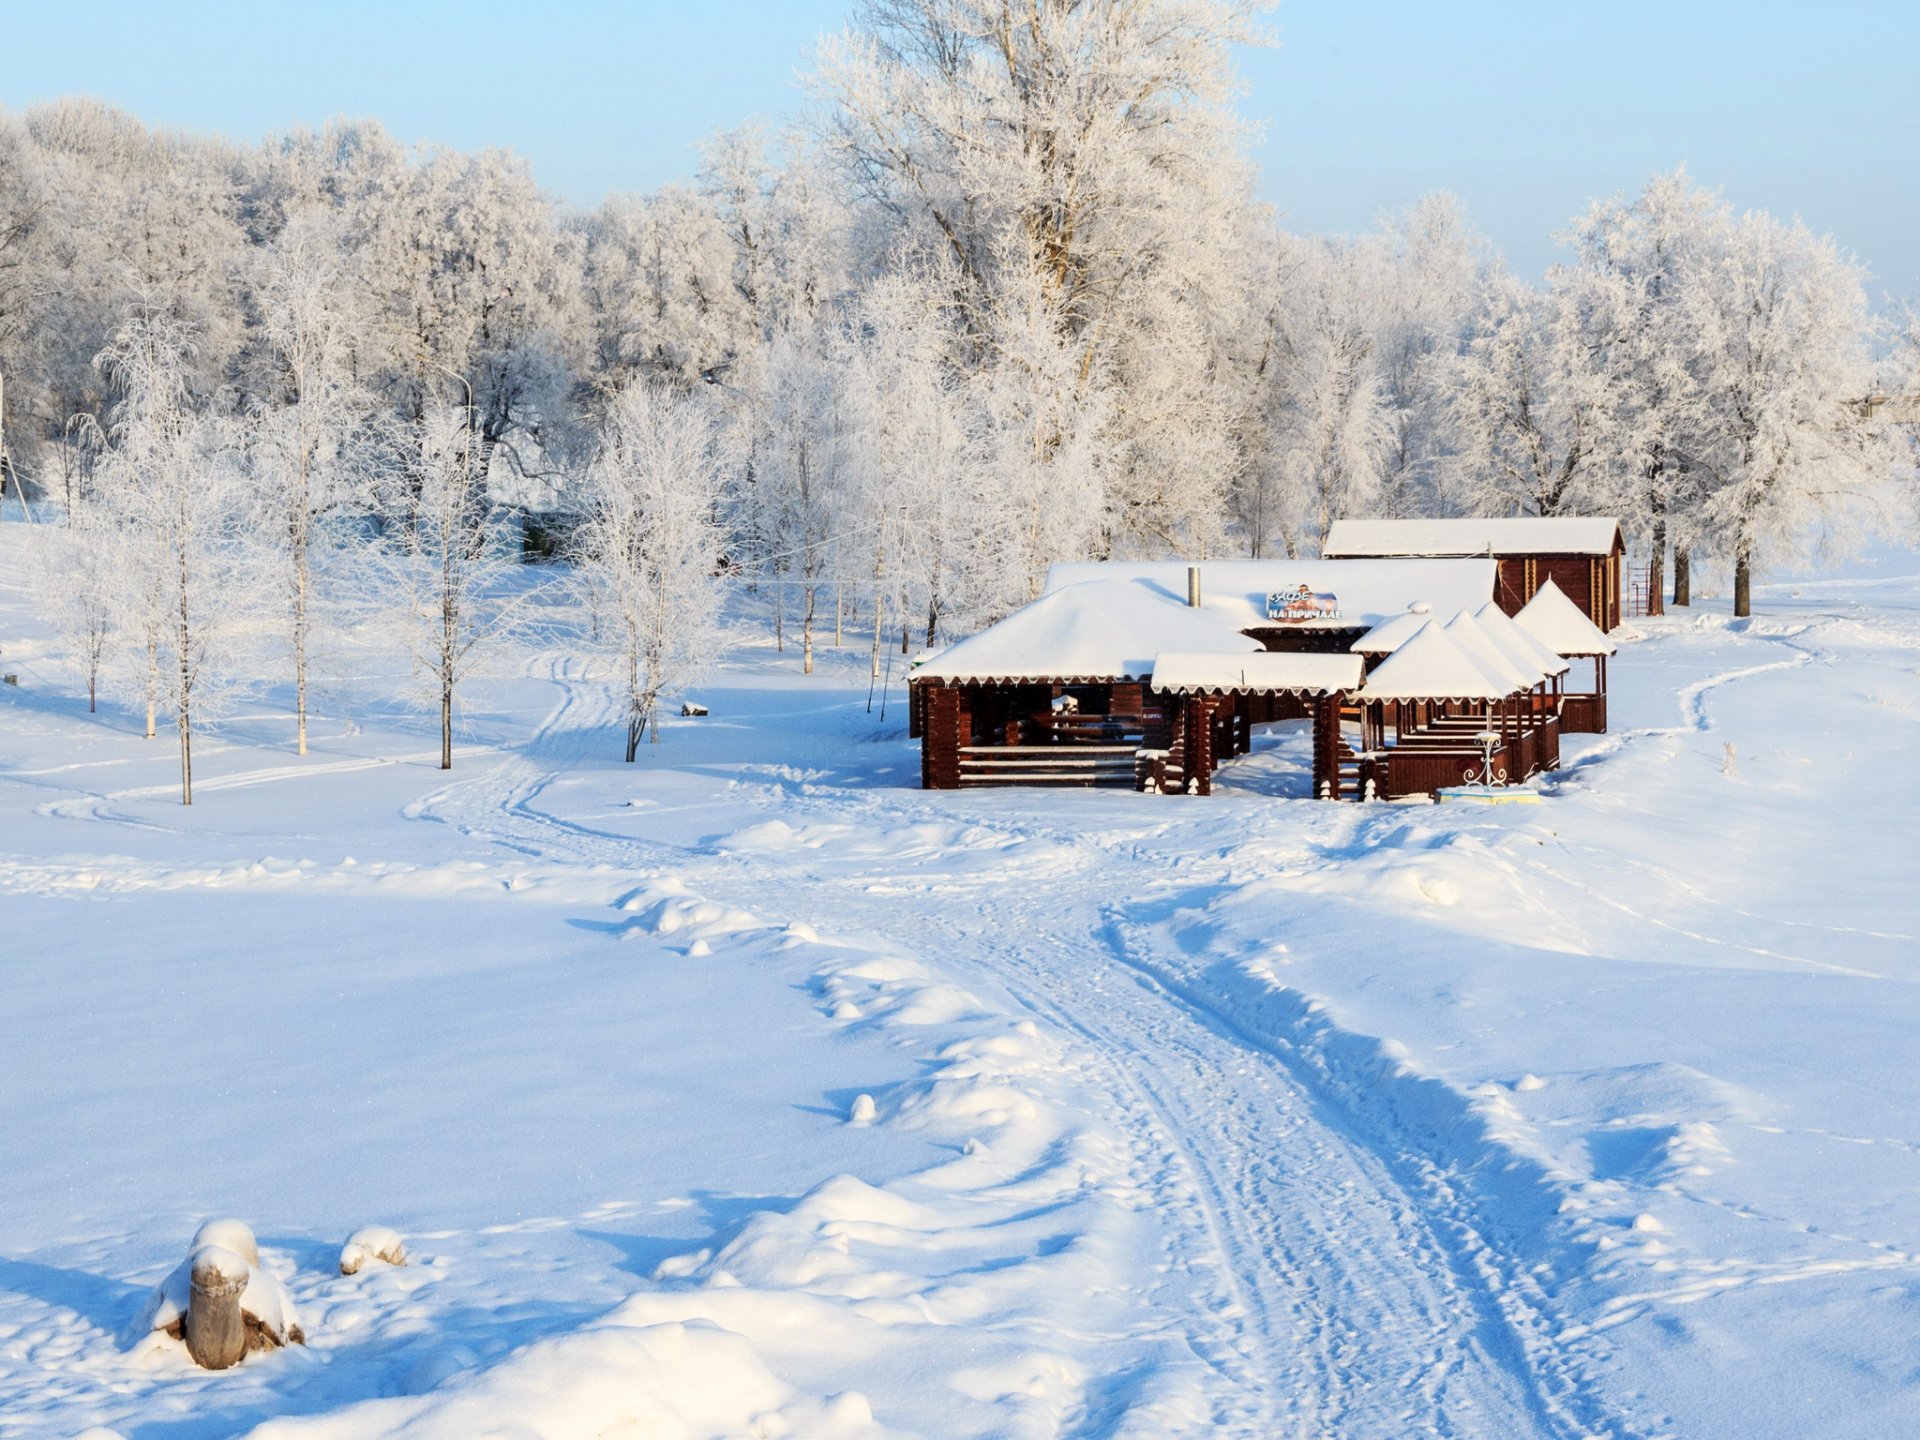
<point>752,1091</point>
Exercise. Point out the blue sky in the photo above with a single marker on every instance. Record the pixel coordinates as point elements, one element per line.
<point>1523,109</point>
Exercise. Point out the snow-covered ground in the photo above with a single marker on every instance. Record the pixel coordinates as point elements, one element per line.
<point>753,1091</point>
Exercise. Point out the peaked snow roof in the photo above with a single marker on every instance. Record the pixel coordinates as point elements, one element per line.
<point>1097,630</point>
<point>1559,624</point>
<point>1390,635</point>
<point>1433,666</point>
<point>1524,535</point>
<point>1467,633</point>
<point>1507,632</point>
<point>1211,671</point>
<point>1369,591</point>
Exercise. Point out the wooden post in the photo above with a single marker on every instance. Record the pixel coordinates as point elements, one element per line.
<point>216,1334</point>
<point>945,731</point>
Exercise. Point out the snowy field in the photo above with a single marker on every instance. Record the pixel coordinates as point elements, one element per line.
<point>752,1091</point>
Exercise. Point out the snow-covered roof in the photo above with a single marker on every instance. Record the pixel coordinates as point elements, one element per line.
<point>1559,624</point>
<point>1210,671</point>
<point>1367,591</point>
<point>1507,632</point>
<point>1433,666</point>
<point>1095,630</point>
<point>1522,535</point>
<point>1390,635</point>
<point>1465,631</point>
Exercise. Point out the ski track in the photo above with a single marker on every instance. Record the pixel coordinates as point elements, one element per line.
<point>1333,1286</point>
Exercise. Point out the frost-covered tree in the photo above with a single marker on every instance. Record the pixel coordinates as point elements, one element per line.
<point>1435,274</point>
<point>649,546</point>
<point>174,479</point>
<point>447,552</point>
<point>1077,164</point>
<point>799,473</point>
<point>1782,445</point>
<point>1528,407</point>
<point>917,509</point>
<point>308,436</point>
<point>81,588</point>
<point>1643,316</point>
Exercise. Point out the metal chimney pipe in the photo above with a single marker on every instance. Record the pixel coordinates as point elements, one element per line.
<point>1193,586</point>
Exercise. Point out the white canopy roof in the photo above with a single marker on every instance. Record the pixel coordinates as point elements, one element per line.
<point>1098,630</point>
<point>1390,635</point>
<point>1466,633</point>
<point>1523,535</point>
<point>1210,671</point>
<point>1433,666</point>
<point>1556,622</point>
<point>1368,591</point>
<point>1504,630</point>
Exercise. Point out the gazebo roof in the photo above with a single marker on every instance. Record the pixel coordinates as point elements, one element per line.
<point>1434,666</point>
<point>1390,635</point>
<point>1466,631</point>
<point>1505,630</point>
<point>1100,630</point>
<point>1210,672</point>
<point>1559,624</point>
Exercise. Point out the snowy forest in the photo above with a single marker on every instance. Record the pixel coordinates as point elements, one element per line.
<point>1002,296</point>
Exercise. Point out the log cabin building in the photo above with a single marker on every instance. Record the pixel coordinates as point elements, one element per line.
<point>1150,676</point>
<point>1582,555</point>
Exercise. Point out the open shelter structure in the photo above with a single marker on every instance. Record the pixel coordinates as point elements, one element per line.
<point>1558,624</point>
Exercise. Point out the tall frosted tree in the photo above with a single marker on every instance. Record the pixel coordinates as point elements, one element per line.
<point>447,554</point>
<point>308,435</point>
<point>1644,316</point>
<point>1782,446</point>
<point>649,545</point>
<point>1077,163</point>
<point>176,483</point>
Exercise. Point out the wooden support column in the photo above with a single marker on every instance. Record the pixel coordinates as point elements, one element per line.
<point>1326,744</point>
<point>1199,745</point>
<point>946,726</point>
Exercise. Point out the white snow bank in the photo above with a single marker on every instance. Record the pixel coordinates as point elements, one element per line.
<point>613,1381</point>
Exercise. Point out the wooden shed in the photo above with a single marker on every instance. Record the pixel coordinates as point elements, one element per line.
<point>1582,555</point>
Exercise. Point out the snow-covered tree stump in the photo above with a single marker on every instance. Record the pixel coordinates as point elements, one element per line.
<point>216,1333</point>
<point>220,1301</point>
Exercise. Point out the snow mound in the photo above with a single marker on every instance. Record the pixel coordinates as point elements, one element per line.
<point>664,907</point>
<point>669,1381</point>
<point>372,1243</point>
